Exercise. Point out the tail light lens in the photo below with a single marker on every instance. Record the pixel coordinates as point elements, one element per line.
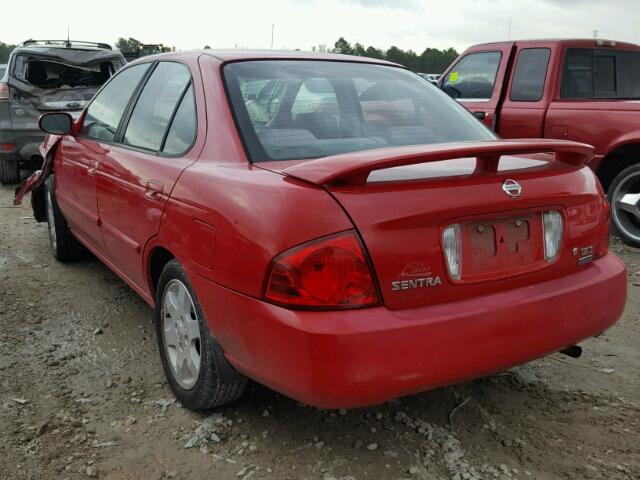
<point>452,244</point>
<point>4,91</point>
<point>603,246</point>
<point>553,227</point>
<point>332,272</point>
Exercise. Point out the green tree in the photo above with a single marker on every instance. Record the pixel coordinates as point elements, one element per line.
<point>358,49</point>
<point>128,45</point>
<point>373,52</point>
<point>5,51</point>
<point>342,46</point>
<point>431,60</point>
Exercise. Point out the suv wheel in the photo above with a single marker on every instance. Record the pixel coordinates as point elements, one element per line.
<point>624,197</point>
<point>9,171</point>
<point>64,245</point>
<point>193,361</point>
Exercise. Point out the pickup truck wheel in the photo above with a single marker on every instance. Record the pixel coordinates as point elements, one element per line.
<point>193,361</point>
<point>624,197</point>
<point>64,246</point>
<point>9,171</point>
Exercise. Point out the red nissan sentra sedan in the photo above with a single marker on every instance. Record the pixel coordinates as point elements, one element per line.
<point>333,227</point>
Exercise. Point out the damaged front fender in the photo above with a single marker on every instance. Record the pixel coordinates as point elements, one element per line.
<point>35,182</point>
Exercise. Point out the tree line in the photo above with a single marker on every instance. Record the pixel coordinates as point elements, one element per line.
<point>431,60</point>
<point>5,51</point>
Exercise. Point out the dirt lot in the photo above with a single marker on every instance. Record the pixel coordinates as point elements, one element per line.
<point>82,395</point>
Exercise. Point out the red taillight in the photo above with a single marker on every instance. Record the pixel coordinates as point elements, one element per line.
<point>331,272</point>
<point>603,246</point>
<point>4,91</point>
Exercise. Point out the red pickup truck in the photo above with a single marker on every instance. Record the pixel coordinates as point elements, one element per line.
<point>582,90</point>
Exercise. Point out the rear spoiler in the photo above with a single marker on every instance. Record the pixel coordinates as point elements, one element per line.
<point>354,168</point>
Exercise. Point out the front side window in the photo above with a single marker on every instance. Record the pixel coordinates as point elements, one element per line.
<point>155,106</point>
<point>105,111</point>
<point>308,109</point>
<point>474,76</point>
<point>529,75</point>
<point>601,73</point>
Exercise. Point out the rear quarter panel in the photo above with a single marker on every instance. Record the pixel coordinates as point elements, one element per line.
<point>244,214</point>
<point>604,124</point>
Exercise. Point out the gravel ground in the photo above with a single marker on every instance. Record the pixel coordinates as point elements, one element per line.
<point>82,395</point>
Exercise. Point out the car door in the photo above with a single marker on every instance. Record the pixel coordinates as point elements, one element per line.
<point>525,105</point>
<point>138,173</point>
<point>81,155</point>
<point>476,79</point>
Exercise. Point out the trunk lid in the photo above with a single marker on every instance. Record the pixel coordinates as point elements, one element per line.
<point>401,200</point>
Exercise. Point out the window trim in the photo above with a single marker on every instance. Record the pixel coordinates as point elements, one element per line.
<point>544,80</point>
<point>161,152</point>
<point>495,78</point>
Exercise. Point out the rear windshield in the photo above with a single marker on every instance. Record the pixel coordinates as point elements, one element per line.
<point>296,109</point>
<point>50,74</point>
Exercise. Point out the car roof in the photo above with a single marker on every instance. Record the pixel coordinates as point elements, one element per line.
<point>243,55</point>
<point>578,42</point>
<point>67,52</point>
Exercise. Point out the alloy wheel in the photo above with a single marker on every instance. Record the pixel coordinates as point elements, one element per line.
<point>625,206</point>
<point>181,334</point>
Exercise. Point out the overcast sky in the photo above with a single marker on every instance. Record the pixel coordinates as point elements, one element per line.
<point>414,24</point>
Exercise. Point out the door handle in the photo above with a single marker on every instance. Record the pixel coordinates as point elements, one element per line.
<point>480,115</point>
<point>154,190</point>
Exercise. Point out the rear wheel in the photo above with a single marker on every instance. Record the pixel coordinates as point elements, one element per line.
<point>9,171</point>
<point>193,361</point>
<point>624,196</point>
<point>64,245</point>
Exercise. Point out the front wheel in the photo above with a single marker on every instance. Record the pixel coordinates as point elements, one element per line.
<point>624,197</point>
<point>193,361</point>
<point>64,246</point>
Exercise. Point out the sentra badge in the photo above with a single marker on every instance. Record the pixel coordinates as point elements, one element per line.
<point>416,275</point>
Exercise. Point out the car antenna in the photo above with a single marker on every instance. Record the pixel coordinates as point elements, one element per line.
<point>68,45</point>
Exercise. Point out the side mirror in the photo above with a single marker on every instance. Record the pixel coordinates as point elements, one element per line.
<point>56,123</point>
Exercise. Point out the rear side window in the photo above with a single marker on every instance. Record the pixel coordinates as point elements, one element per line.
<point>601,73</point>
<point>104,114</point>
<point>530,74</point>
<point>155,106</point>
<point>182,133</point>
<point>474,76</point>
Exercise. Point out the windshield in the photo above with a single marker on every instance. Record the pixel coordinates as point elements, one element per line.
<point>296,109</point>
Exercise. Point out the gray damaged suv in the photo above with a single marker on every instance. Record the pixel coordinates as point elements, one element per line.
<point>44,76</point>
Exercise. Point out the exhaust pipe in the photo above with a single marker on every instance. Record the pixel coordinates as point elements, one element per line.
<point>573,351</point>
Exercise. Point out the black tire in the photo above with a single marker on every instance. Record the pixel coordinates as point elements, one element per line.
<point>64,246</point>
<point>9,171</point>
<point>218,383</point>
<point>624,221</point>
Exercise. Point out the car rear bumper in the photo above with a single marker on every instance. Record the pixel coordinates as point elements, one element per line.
<point>365,357</point>
<point>26,144</point>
